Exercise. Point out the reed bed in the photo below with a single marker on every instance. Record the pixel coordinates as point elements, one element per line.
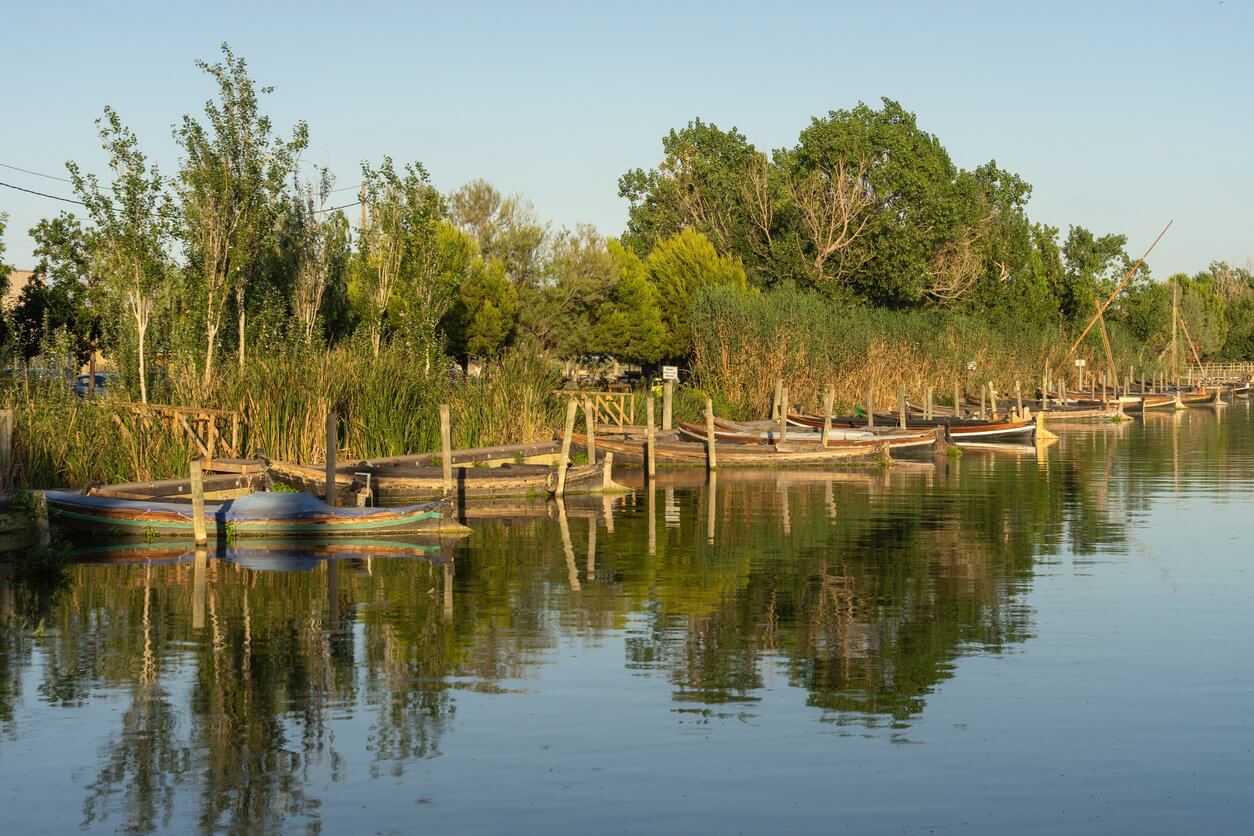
<point>387,405</point>
<point>744,343</point>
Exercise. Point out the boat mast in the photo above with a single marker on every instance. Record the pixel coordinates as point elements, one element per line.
<point>1175,319</point>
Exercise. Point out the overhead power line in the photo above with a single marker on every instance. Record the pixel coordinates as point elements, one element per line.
<point>36,173</point>
<point>80,203</point>
<point>41,194</point>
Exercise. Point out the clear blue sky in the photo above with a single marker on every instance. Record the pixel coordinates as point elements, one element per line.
<point>1122,115</point>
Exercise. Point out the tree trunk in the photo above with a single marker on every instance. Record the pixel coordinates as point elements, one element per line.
<point>239,302</point>
<point>376,336</point>
<point>142,329</point>
<point>211,333</point>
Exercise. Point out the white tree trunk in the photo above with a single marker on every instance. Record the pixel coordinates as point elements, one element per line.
<point>142,329</point>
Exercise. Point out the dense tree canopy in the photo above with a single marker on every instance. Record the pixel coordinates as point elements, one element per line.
<point>866,210</point>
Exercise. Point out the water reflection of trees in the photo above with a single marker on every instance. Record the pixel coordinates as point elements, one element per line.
<point>861,591</point>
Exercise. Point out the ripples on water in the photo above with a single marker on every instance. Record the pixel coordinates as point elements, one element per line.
<point>1007,641</point>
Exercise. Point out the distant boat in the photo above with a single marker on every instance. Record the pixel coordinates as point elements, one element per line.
<point>264,514</point>
<point>959,430</point>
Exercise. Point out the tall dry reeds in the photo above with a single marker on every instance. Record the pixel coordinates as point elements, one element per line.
<point>744,343</point>
<point>387,405</point>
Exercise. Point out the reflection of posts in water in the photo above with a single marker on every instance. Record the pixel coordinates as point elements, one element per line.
<point>652,518</point>
<point>148,667</point>
<point>607,510</point>
<point>333,593</point>
<point>591,569</point>
<point>199,589</point>
<point>670,509</point>
<point>829,498</point>
<point>784,509</point>
<point>448,570</point>
<point>711,506</point>
<point>572,571</point>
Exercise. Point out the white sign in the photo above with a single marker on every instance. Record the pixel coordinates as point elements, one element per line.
<point>1081,363</point>
<point>670,372</point>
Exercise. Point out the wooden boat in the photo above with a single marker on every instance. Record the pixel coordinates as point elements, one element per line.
<point>258,514</point>
<point>959,430</point>
<point>727,431</point>
<point>394,480</point>
<point>670,448</point>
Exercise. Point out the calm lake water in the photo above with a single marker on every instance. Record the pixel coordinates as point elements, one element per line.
<point>1055,640</point>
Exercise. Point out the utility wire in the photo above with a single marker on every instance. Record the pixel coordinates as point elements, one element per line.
<point>36,173</point>
<point>80,203</point>
<point>41,194</point>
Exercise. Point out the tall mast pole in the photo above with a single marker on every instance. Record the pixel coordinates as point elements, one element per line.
<point>1175,318</point>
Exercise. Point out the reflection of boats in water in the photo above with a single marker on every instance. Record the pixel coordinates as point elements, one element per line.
<point>261,514</point>
<point>264,554</point>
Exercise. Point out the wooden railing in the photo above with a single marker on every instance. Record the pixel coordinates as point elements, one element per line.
<point>211,433</point>
<point>617,409</point>
<point>1226,372</point>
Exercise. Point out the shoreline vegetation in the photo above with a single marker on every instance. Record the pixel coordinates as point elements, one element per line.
<point>251,280</point>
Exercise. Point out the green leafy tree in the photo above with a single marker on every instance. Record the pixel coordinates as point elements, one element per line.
<point>678,268</point>
<point>1091,267</point>
<point>133,221</point>
<point>439,269</point>
<point>233,174</point>
<point>629,323</point>
<point>482,319</point>
<point>64,294</point>
<point>504,227</point>
<point>403,213</point>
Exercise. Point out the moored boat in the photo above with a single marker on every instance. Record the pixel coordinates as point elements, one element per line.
<point>958,430</point>
<point>257,514</point>
<point>404,482</point>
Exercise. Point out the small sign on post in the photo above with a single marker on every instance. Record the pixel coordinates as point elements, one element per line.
<point>670,372</point>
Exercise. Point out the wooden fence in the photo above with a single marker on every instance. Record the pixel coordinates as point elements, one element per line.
<point>210,433</point>
<point>616,409</point>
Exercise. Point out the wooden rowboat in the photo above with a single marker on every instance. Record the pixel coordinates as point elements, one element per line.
<point>731,433</point>
<point>402,482</point>
<point>670,449</point>
<point>256,515</point>
<point>959,430</point>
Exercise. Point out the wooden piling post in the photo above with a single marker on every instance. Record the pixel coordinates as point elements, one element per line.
<point>607,474</point>
<point>711,456</point>
<point>446,445</point>
<point>783,417</point>
<point>779,398</point>
<point>957,401</point>
<point>828,398</point>
<point>942,442</point>
<point>198,502</point>
<point>927,403</point>
<point>1018,399</point>
<point>590,427</point>
<point>333,423</point>
<point>668,396</point>
<point>650,440</point>
<point>564,461</point>
<point>43,533</point>
<point>983,408</point>
<point>870,409</point>
<point>6,450</point>
<point>901,405</point>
